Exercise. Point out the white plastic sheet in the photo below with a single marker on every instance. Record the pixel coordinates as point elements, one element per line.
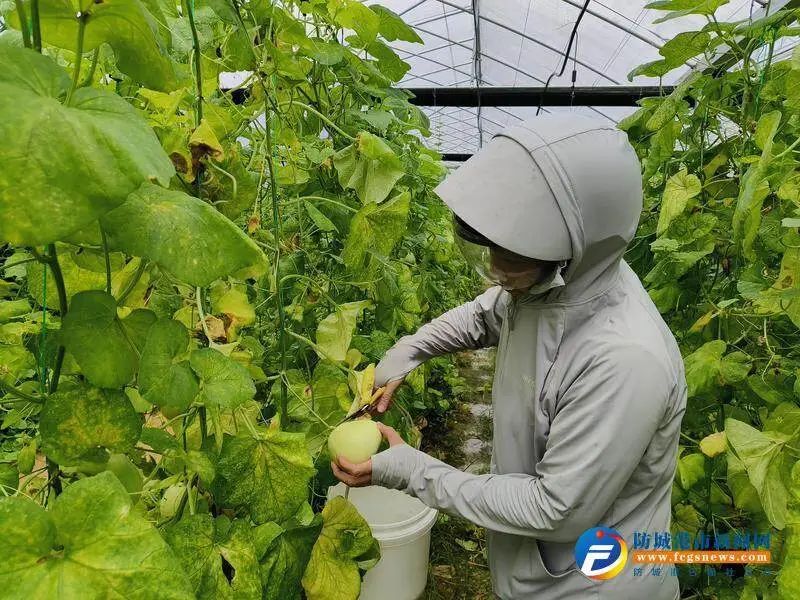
<point>522,43</point>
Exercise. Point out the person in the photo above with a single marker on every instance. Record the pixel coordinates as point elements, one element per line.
<point>589,388</point>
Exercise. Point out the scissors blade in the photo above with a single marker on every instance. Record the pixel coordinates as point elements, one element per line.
<point>364,409</point>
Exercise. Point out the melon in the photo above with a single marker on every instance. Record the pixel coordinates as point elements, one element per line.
<point>356,440</point>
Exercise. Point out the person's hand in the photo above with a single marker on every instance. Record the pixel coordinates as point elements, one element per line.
<point>360,475</point>
<point>385,400</point>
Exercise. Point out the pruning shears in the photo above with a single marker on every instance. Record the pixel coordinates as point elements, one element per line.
<point>364,409</point>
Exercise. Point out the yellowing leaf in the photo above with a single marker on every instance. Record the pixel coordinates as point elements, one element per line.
<point>346,538</point>
<point>368,166</point>
<point>713,444</point>
<point>680,188</point>
<point>183,234</point>
<point>335,331</point>
<point>703,321</point>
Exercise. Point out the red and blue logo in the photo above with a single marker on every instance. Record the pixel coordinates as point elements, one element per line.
<point>601,553</point>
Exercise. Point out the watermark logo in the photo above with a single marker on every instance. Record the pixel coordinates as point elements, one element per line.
<point>601,553</point>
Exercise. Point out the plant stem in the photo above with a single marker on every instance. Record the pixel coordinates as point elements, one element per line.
<point>78,53</point>
<point>52,261</point>
<point>23,21</point>
<point>329,200</point>
<point>201,312</point>
<point>14,391</point>
<point>133,281</point>
<point>198,75</point>
<point>36,26</point>
<point>276,227</point>
<point>92,68</point>
<point>108,260</point>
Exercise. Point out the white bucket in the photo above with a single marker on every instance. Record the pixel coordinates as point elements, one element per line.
<point>402,525</point>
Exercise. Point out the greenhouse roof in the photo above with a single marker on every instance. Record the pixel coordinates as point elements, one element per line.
<point>520,43</point>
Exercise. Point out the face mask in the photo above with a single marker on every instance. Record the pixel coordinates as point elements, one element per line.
<point>508,270</point>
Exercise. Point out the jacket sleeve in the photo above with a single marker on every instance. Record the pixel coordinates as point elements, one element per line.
<point>604,422</point>
<point>472,325</point>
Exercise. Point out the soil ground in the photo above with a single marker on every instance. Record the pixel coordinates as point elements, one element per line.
<point>462,438</point>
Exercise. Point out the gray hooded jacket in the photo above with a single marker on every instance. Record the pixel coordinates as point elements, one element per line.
<point>589,389</point>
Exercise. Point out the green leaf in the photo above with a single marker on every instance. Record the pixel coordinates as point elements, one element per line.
<point>91,543</point>
<point>212,550</point>
<point>267,474</point>
<point>374,230</point>
<point>335,331</point>
<point>782,297</point>
<point>754,187</point>
<point>691,470</point>
<point>706,368</point>
<point>182,234</point>
<point>684,46</point>
<point>392,27</point>
<point>104,346</point>
<point>771,388</point>
<point>655,68</point>
<point>745,496</point>
<point>785,419</point>
<point>80,423</point>
<point>332,572</point>
<point>762,458</point>
<point>223,381</point>
<point>389,62</point>
<point>16,362</point>
<point>125,25</point>
<point>104,151</point>
<point>351,14</point>
<point>325,52</point>
<point>322,222</point>
<point>165,377</point>
<point>789,575</point>
<point>285,557</point>
<point>681,8</point>
<point>368,166</point>
<point>680,188</point>
<point>766,129</point>
<point>11,309</point>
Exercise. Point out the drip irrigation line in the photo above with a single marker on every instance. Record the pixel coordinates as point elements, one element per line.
<point>572,36</point>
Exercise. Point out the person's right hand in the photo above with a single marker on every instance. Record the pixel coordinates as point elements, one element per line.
<point>385,400</point>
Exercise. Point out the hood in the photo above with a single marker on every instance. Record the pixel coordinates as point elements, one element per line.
<point>558,187</point>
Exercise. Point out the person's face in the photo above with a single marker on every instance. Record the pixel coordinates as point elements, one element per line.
<point>514,272</point>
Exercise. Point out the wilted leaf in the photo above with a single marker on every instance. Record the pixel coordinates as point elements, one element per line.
<point>713,444</point>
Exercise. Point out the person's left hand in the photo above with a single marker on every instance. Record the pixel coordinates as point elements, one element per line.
<point>360,475</point>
